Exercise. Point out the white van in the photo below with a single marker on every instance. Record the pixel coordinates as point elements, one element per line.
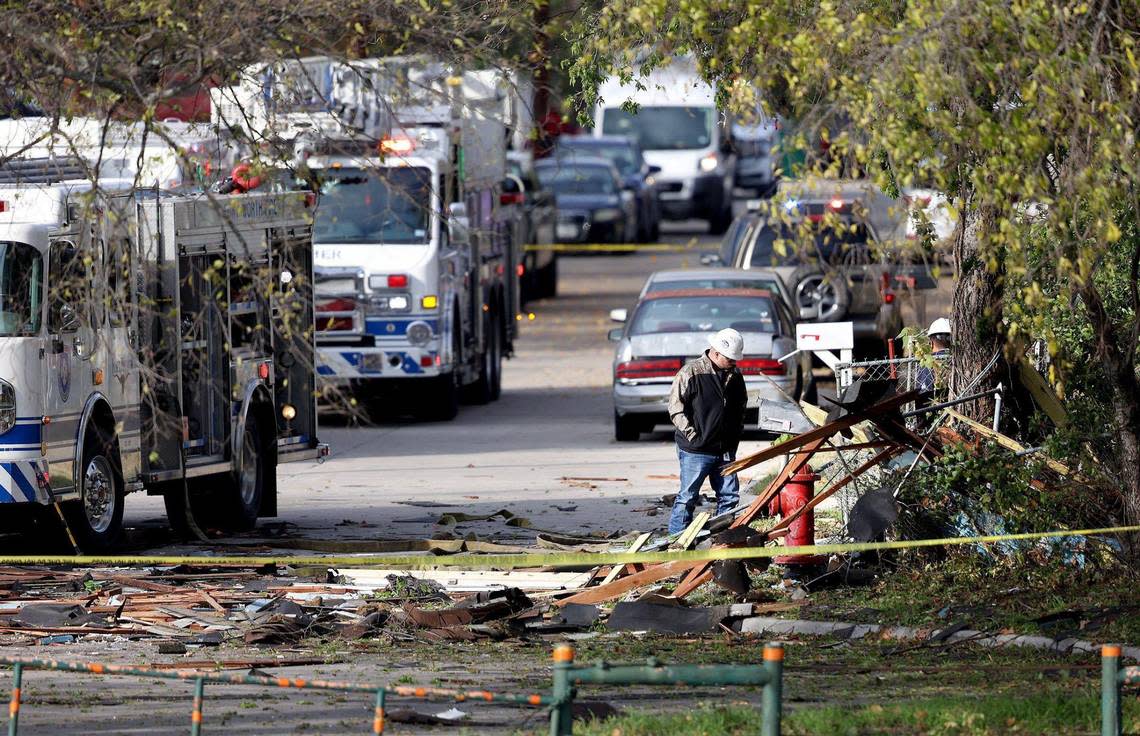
<point>681,131</point>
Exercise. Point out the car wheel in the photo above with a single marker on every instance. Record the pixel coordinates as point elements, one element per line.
<point>826,294</point>
<point>626,429</point>
<point>719,224</point>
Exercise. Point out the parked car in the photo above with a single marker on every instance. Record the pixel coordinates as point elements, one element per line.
<point>637,175</point>
<point>835,276</point>
<point>592,206</point>
<point>668,328</point>
<point>737,234</point>
<point>540,267</point>
<point>755,139</point>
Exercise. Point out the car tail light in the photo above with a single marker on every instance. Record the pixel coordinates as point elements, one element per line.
<point>649,368</point>
<point>761,366</point>
<point>397,281</point>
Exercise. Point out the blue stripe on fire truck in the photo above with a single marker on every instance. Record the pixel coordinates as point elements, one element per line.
<point>25,435</point>
<point>396,327</point>
<point>18,483</point>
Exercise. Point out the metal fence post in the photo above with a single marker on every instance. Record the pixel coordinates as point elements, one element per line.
<point>1110,690</point>
<point>562,710</point>
<point>378,719</point>
<point>14,705</point>
<point>773,690</point>
<point>196,713</point>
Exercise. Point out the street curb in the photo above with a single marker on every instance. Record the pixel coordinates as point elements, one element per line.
<point>776,626</point>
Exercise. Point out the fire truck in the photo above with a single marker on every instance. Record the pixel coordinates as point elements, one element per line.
<point>152,342</point>
<point>416,261</point>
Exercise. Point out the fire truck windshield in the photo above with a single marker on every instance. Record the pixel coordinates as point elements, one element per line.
<point>21,289</point>
<point>374,206</point>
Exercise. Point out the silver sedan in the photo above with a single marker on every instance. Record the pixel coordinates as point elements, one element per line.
<point>668,328</point>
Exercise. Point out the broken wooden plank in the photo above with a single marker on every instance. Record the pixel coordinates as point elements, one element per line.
<point>617,569</point>
<point>622,586</point>
<point>469,580</point>
<point>689,535</point>
<point>1005,441</point>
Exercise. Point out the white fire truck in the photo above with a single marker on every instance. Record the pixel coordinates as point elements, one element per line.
<point>416,262</point>
<point>154,342</point>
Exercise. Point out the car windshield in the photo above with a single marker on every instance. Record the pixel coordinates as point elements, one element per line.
<point>662,128</point>
<point>704,314</point>
<point>712,283</point>
<point>623,158</point>
<point>374,206</point>
<point>570,179</point>
<point>827,244</point>
<point>21,289</point>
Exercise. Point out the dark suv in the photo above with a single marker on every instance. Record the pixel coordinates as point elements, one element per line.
<point>636,174</point>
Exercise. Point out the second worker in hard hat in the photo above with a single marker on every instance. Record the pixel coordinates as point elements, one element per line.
<point>706,405</point>
<point>926,380</point>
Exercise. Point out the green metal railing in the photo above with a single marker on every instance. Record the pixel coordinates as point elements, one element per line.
<point>567,676</point>
<point>1113,677</point>
<point>199,678</point>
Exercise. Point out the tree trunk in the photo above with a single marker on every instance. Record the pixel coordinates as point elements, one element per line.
<point>1120,370</point>
<point>977,314</point>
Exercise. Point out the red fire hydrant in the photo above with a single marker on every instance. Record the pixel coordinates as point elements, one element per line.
<point>795,494</point>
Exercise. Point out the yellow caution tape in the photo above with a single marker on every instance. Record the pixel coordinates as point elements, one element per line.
<point>556,559</point>
<point>589,247</point>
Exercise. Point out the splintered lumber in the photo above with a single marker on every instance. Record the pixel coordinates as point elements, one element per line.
<point>637,545</point>
<point>689,535</point>
<point>810,441</point>
<point>622,586</point>
<point>470,580</point>
<point>1042,393</point>
<point>1005,441</point>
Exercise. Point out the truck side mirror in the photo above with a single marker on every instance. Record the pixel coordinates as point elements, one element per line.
<point>459,227</point>
<point>614,335</point>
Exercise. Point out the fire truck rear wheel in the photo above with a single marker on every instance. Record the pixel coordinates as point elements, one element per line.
<point>244,497</point>
<point>96,519</point>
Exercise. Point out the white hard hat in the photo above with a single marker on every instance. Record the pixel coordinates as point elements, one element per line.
<point>728,343</point>
<point>940,326</point>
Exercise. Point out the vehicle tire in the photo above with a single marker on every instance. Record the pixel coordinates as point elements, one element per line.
<point>626,429</point>
<point>827,292</point>
<point>498,329</point>
<point>483,391</point>
<point>655,231</point>
<point>719,225</point>
<point>444,397</point>
<point>96,519</point>
<point>241,501</point>
<point>548,279</point>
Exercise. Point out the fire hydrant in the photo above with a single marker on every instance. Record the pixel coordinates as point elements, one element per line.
<point>795,494</point>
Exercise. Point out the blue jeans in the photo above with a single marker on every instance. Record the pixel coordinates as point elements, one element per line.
<point>694,469</point>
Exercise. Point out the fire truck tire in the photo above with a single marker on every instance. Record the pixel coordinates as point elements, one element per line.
<point>444,399</point>
<point>548,279</point>
<point>96,519</point>
<point>485,388</point>
<point>243,497</point>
